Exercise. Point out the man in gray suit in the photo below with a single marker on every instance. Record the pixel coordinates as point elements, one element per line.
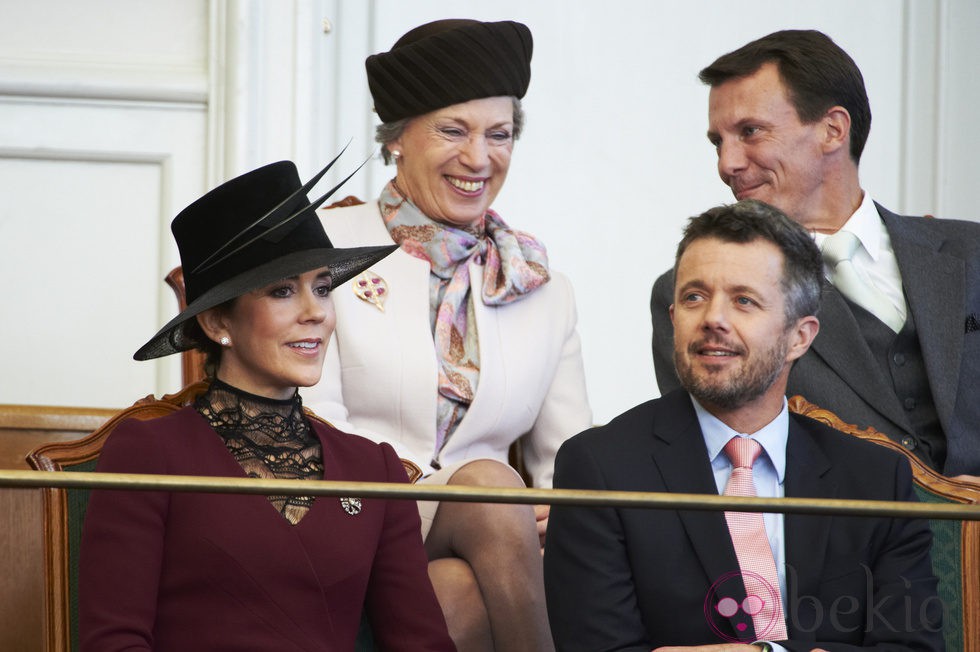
<point>899,346</point>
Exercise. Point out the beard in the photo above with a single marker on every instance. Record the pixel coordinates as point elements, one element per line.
<point>732,389</point>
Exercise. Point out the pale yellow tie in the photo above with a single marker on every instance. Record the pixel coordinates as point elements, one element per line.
<point>838,250</point>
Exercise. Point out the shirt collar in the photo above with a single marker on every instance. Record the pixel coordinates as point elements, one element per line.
<point>866,224</point>
<point>772,437</point>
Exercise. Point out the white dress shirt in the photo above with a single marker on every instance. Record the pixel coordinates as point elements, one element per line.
<point>874,260</point>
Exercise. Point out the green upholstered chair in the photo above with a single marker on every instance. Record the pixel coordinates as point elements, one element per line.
<point>955,545</point>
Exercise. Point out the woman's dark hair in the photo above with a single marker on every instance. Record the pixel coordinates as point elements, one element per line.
<point>816,72</point>
<point>211,349</point>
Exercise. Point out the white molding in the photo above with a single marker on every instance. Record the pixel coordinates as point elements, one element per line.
<point>217,85</point>
<point>62,79</point>
<point>262,58</point>
<point>958,97</point>
<point>282,87</point>
<point>344,109</point>
<point>307,27</point>
<point>81,155</point>
<point>230,122</point>
<point>922,72</point>
<point>62,101</point>
<point>944,116</point>
<point>167,372</point>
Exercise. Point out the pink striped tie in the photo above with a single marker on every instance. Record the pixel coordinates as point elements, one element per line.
<point>764,602</point>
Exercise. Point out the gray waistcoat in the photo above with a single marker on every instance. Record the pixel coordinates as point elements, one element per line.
<point>900,358</point>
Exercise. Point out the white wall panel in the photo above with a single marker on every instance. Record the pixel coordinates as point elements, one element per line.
<point>87,192</point>
<point>138,49</point>
<point>148,32</point>
<point>88,297</point>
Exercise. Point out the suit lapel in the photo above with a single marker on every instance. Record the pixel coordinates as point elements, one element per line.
<point>935,287</point>
<point>807,476</point>
<point>681,457</point>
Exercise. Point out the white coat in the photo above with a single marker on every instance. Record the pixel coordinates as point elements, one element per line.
<point>380,374</point>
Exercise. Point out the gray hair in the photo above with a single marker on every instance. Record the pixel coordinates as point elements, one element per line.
<point>388,132</point>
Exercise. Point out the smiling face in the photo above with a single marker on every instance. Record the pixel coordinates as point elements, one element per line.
<point>278,335</point>
<point>454,161</point>
<point>764,151</point>
<point>732,347</point>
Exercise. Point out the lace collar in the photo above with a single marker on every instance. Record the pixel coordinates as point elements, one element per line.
<point>269,438</point>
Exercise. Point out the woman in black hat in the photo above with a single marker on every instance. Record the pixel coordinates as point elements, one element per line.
<point>463,340</point>
<point>185,571</point>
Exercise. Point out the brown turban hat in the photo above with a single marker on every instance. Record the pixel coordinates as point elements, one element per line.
<point>447,62</point>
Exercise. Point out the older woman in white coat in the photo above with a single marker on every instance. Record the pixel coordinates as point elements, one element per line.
<point>462,341</point>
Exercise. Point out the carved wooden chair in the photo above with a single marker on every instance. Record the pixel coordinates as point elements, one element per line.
<point>22,429</point>
<point>956,544</point>
<point>64,511</point>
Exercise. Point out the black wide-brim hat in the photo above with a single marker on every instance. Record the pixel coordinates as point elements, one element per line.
<point>248,232</point>
<point>448,62</point>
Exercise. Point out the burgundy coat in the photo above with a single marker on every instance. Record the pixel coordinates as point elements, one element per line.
<point>190,571</point>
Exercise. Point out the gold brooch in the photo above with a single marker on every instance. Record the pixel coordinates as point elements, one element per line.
<point>370,287</point>
<point>351,505</point>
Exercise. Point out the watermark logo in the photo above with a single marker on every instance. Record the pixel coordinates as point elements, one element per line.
<point>721,601</point>
<point>859,605</point>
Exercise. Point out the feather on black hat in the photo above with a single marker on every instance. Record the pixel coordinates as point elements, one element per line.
<point>248,232</point>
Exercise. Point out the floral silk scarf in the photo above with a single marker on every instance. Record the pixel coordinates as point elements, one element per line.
<point>514,264</point>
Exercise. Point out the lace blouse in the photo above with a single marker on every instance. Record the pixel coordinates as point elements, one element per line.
<point>269,438</point>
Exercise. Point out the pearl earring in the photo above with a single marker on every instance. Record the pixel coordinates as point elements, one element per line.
<point>396,154</point>
<point>225,340</point>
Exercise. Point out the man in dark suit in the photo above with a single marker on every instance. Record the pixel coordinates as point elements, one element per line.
<point>748,288</point>
<point>789,117</point>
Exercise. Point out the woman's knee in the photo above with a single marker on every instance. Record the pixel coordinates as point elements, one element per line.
<point>481,532</point>
<point>487,525</point>
<point>486,473</point>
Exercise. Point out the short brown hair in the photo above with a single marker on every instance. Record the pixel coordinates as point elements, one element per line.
<point>750,220</point>
<point>817,74</point>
